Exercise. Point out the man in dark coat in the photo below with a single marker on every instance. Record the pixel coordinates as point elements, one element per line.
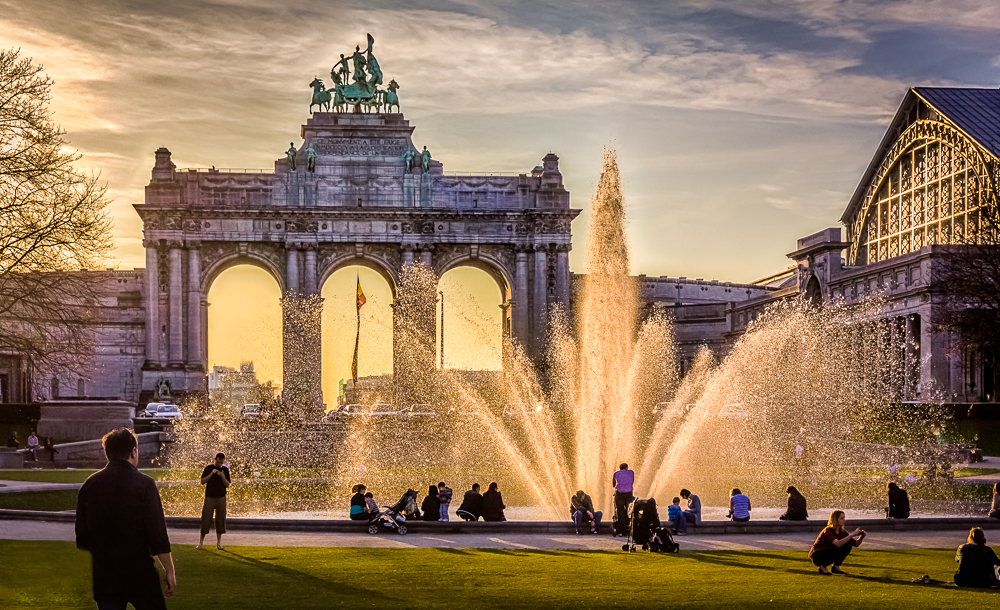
<point>472,504</point>
<point>119,520</point>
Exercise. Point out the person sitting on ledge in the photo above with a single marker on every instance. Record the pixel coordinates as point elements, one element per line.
<point>693,511</point>
<point>431,506</point>
<point>739,506</point>
<point>834,544</point>
<point>493,504</point>
<point>899,503</point>
<point>581,508</point>
<point>12,441</point>
<point>472,504</point>
<point>995,506</point>
<point>796,506</point>
<point>976,562</point>
<point>677,518</point>
<point>359,508</point>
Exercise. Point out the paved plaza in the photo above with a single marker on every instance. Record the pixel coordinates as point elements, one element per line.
<point>41,530</point>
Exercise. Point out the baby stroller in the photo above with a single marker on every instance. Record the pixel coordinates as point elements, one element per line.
<point>393,517</point>
<point>645,529</point>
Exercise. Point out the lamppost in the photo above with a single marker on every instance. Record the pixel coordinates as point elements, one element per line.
<point>442,329</point>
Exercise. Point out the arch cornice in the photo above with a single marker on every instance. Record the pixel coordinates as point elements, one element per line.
<point>214,262</point>
<point>921,132</point>
<point>492,261</point>
<point>332,261</point>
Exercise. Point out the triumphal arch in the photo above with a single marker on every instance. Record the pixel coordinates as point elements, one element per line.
<point>352,189</point>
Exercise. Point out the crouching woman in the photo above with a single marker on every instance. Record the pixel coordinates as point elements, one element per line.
<point>834,544</point>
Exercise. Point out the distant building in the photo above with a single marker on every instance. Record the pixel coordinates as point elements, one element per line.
<point>227,385</point>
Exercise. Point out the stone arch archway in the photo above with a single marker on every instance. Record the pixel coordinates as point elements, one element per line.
<point>334,265</point>
<point>355,203</point>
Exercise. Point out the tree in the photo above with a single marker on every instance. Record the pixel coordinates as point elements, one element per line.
<point>54,223</point>
<point>966,285</point>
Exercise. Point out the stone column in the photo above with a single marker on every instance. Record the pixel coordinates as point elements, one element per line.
<point>311,269</point>
<point>541,312</point>
<point>292,272</point>
<point>407,255</point>
<point>425,258</point>
<point>562,276</point>
<point>153,357</point>
<point>176,293</point>
<point>194,354</point>
<point>935,367</point>
<point>911,368</point>
<point>520,301</point>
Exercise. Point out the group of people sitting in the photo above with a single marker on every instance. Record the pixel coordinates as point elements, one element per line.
<point>33,445</point>
<point>436,504</point>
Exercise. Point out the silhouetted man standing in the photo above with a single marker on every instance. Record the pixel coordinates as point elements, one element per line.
<point>215,477</point>
<point>622,481</point>
<point>119,520</point>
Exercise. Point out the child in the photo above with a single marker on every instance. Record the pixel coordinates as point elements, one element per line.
<point>444,495</point>
<point>676,517</point>
<point>370,503</point>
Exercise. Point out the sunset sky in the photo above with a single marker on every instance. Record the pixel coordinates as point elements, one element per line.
<point>740,126</point>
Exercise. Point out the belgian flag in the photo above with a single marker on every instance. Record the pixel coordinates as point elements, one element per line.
<point>357,338</point>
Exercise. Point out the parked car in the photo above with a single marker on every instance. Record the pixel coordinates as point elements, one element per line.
<point>168,412</point>
<point>342,412</point>
<point>150,410</point>
<point>382,409</point>
<point>251,410</point>
<point>417,412</point>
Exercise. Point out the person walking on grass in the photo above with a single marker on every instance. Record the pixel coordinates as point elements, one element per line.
<point>622,481</point>
<point>834,544</point>
<point>976,562</point>
<point>119,521</point>
<point>215,477</point>
<point>444,496</point>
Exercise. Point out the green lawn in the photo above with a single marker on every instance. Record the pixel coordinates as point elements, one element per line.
<point>67,476</point>
<point>63,499</point>
<point>275,577</point>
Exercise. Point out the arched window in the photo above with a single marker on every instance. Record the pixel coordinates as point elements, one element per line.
<point>927,197</point>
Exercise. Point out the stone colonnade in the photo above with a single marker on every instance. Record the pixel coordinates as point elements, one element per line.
<point>176,312</point>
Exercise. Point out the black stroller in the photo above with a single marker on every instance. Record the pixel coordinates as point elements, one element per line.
<point>394,517</point>
<point>645,530</point>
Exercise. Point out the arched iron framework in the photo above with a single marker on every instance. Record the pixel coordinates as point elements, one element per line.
<point>931,188</point>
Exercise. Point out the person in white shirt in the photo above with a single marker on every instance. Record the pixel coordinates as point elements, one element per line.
<point>33,445</point>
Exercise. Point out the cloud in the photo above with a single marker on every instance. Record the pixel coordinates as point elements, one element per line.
<point>709,101</point>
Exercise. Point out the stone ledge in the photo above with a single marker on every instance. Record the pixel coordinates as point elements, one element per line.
<point>715,528</point>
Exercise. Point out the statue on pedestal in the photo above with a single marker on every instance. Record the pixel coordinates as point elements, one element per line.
<point>163,388</point>
<point>290,155</point>
<point>311,159</point>
<point>408,156</point>
<point>425,160</point>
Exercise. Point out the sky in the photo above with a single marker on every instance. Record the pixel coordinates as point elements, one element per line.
<point>740,126</point>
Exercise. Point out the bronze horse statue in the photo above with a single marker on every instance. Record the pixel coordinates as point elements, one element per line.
<point>321,97</point>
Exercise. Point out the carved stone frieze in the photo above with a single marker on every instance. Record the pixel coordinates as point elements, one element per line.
<point>361,147</point>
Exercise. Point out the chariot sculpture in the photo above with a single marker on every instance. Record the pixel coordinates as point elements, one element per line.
<point>363,93</point>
